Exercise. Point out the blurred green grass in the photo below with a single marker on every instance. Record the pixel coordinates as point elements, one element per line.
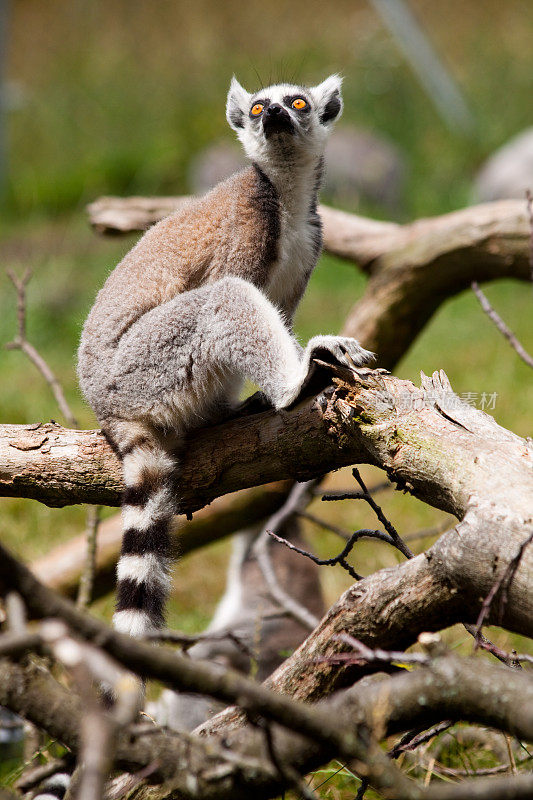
<point>118,97</point>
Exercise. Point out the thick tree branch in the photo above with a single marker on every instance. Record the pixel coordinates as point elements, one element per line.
<point>430,261</point>
<point>442,457</point>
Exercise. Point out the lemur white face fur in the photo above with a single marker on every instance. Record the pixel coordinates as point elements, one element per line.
<point>284,120</point>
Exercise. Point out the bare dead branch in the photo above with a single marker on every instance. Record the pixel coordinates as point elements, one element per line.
<point>58,466</point>
<point>360,653</point>
<point>20,342</point>
<point>340,558</point>
<point>511,659</point>
<point>501,326</point>
<point>415,698</point>
<point>517,787</point>
<point>387,524</point>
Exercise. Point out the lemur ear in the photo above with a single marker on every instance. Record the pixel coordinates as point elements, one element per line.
<point>237,103</point>
<point>328,99</point>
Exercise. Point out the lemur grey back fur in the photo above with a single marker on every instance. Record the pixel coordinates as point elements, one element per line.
<point>205,299</point>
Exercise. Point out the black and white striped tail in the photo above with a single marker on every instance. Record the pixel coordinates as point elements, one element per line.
<point>54,788</point>
<point>147,509</point>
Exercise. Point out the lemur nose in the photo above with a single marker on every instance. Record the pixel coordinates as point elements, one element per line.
<point>274,108</point>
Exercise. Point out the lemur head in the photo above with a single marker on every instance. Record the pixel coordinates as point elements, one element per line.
<point>284,122</point>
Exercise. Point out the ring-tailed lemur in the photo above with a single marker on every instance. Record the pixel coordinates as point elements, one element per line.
<point>205,299</point>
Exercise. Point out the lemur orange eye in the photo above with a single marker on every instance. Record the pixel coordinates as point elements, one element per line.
<point>256,110</point>
<point>299,103</point>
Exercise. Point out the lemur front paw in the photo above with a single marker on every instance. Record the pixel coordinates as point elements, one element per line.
<point>340,350</point>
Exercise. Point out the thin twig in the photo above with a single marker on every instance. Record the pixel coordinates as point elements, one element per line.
<point>389,527</point>
<point>299,497</point>
<point>345,494</point>
<point>413,739</point>
<point>500,324</point>
<point>510,659</point>
<point>186,640</point>
<point>20,342</point>
<point>368,655</point>
<point>341,557</point>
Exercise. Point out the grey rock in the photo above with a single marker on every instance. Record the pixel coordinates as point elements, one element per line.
<point>363,165</point>
<point>212,165</point>
<point>508,172</point>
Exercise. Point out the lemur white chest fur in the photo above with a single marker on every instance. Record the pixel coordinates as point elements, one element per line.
<point>297,243</point>
<point>204,300</point>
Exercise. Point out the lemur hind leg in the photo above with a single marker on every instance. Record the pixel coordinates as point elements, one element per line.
<point>186,358</point>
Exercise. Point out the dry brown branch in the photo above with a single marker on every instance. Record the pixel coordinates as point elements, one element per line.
<point>459,460</point>
<point>340,558</point>
<point>99,728</point>
<point>414,270</point>
<point>501,326</point>
<point>439,457</point>
<point>20,342</point>
<point>413,739</point>
<point>483,243</point>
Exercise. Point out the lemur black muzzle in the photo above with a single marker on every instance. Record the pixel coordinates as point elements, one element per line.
<point>276,119</point>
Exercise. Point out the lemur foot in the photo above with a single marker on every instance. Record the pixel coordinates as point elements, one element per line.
<point>320,353</point>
